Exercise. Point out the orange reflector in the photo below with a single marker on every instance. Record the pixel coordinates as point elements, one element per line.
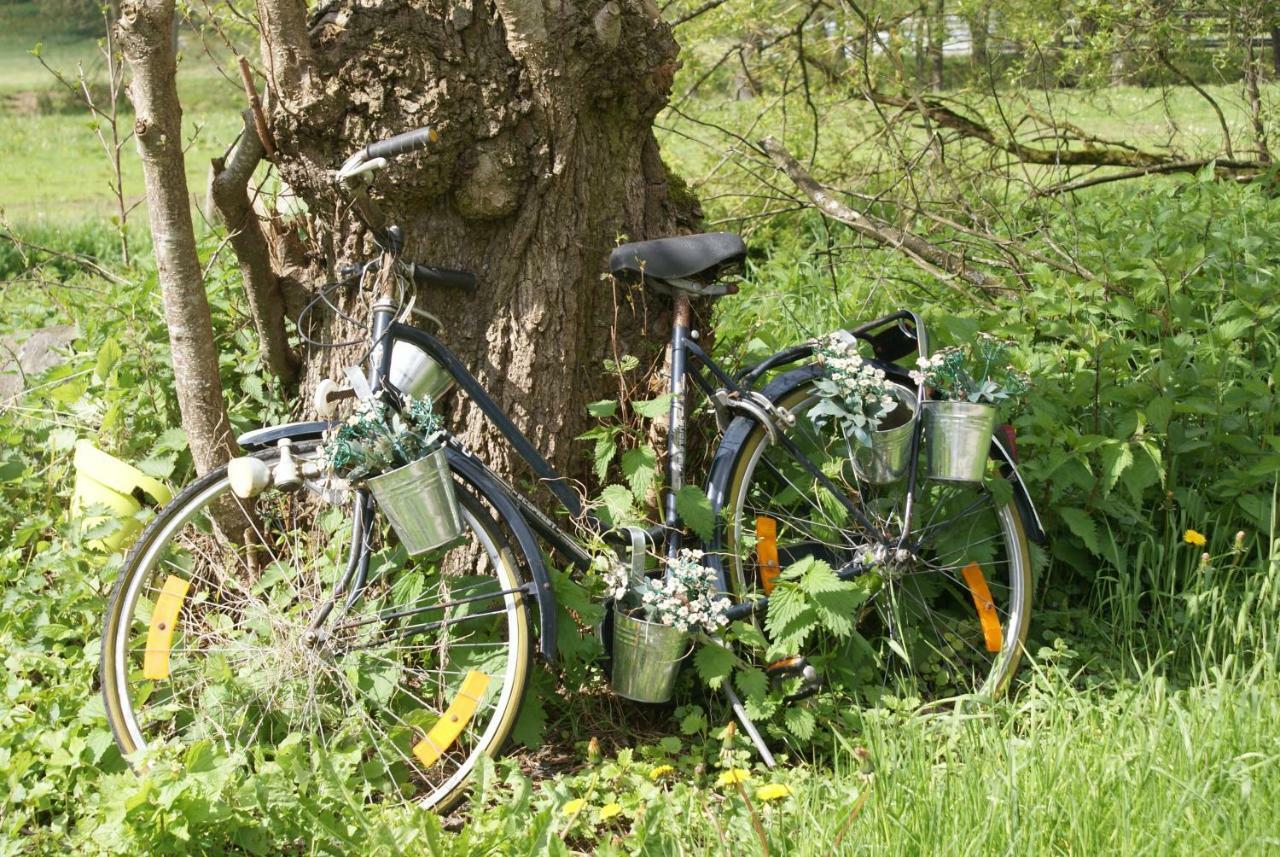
<point>455,718</point>
<point>986,606</point>
<point>164,618</point>
<point>767,552</point>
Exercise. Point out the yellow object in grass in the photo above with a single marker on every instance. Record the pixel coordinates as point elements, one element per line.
<point>107,483</point>
<point>610,810</point>
<point>773,791</point>
<point>1192,537</point>
<point>732,777</point>
<point>661,771</point>
<point>574,806</point>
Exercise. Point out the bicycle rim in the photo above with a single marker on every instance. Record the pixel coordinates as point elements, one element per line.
<point>206,641</point>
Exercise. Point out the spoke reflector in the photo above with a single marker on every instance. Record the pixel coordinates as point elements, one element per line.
<point>450,725</point>
<point>767,551</point>
<point>986,607</point>
<point>164,618</point>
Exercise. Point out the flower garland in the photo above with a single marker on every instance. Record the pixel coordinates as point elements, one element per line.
<point>855,394</point>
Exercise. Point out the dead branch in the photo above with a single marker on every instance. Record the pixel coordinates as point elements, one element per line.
<point>1234,169</point>
<point>255,107</point>
<point>941,263</point>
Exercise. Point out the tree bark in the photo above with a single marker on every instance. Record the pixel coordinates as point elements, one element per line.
<point>937,40</point>
<point>546,158</point>
<point>145,32</point>
<point>979,24</point>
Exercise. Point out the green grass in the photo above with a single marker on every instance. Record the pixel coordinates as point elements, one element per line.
<point>52,167</point>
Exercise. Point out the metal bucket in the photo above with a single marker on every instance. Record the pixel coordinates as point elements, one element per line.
<point>419,501</point>
<point>646,658</point>
<point>887,458</point>
<point>958,439</point>
<point>414,372</point>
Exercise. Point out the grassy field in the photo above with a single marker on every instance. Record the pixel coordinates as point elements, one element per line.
<point>52,167</point>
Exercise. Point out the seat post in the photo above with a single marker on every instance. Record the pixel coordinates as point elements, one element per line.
<point>675,425</point>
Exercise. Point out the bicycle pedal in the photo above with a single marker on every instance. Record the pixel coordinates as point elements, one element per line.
<point>795,667</point>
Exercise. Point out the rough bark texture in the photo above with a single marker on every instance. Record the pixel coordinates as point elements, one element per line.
<point>145,32</point>
<point>546,158</point>
<point>937,40</point>
<point>229,192</point>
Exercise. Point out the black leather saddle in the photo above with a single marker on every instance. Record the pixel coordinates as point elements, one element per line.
<point>688,263</point>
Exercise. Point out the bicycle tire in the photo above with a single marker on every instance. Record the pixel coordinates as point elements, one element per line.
<point>944,652</point>
<point>374,705</point>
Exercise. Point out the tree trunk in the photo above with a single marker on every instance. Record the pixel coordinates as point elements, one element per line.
<point>937,39</point>
<point>979,22</point>
<point>145,36</point>
<point>1275,50</point>
<point>545,159</point>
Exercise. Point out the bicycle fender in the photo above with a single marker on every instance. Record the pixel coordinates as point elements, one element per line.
<point>525,539</point>
<point>506,508</point>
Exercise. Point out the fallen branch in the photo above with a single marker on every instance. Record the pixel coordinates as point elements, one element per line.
<point>941,263</point>
<point>1229,167</point>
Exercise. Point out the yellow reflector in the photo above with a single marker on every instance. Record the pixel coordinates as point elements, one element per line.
<point>767,551</point>
<point>459,713</point>
<point>164,618</point>
<point>986,606</point>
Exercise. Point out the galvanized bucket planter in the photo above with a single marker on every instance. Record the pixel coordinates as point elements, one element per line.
<point>887,458</point>
<point>646,658</point>
<point>958,439</point>
<point>419,501</point>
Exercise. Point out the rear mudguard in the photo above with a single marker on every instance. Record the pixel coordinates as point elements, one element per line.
<point>506,508</point>
<point>736,434</point>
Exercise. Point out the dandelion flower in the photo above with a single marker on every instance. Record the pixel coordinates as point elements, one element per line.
<point>1191,537</point>
<point>773,791</point>
<point>574,806</point>
<point>737,775</point>
<point>661,771</point>
<point>610,810</point>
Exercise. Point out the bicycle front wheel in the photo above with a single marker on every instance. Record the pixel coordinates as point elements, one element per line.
<point>212,636</point>
<point>947,614</point>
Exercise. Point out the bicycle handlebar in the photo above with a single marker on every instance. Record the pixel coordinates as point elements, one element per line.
<point>426,275</point>
<point>409,141</point>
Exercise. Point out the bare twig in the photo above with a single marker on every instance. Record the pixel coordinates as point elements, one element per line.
<point>1233,168</point>
<point>255,106</point>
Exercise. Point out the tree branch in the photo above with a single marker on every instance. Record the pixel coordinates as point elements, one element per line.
<point>935,260</point>
<point>230,195</point>
<point>1233,168</point>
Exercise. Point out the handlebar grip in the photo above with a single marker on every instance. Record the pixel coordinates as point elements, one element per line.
<point>425,275</point>
<point>409,141</point>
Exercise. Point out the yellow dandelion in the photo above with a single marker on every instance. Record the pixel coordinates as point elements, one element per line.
<point>661,771</point>
<point>610,810</point>
<point>574,806</point>
<point>773,791</point>
<point>1191,537</point>
<point>732,777</point>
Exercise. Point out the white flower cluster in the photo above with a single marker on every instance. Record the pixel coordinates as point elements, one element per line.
<point>685,598</point>
<point>927,367</point>
<point>855,394</point>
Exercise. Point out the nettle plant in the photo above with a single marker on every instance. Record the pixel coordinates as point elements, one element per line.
<point>979,372</point>
<point>686,597</point>
<point>378,438</point>
<point>855,394</point>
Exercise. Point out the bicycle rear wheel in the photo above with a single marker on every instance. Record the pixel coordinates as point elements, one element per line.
<point>209,638</point>
<point>947,615</point>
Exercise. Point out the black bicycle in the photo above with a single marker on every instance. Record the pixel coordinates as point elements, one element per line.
<point>291,621</point>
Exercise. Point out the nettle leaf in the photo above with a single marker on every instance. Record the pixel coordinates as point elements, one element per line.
<point>752,682</point>
<point>108,356</point>
<point>652,408</point>
<point>1116,459</point>
<point>602,408</point>
<point>790,617</point>
<point>1082,525</point>
<point>619,505</point>
<point>640,467</point>
<point>1158,413</point>
<point>713,663</point>
<point>531,722</point>
<point>170,440</point>
<point>606,438</point>
<point>694,508</point>
<point>799,721</point>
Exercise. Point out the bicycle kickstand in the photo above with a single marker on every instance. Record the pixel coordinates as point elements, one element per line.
<point>747,725</point>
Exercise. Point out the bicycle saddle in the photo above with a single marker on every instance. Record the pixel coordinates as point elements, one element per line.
<point>680,262</point>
